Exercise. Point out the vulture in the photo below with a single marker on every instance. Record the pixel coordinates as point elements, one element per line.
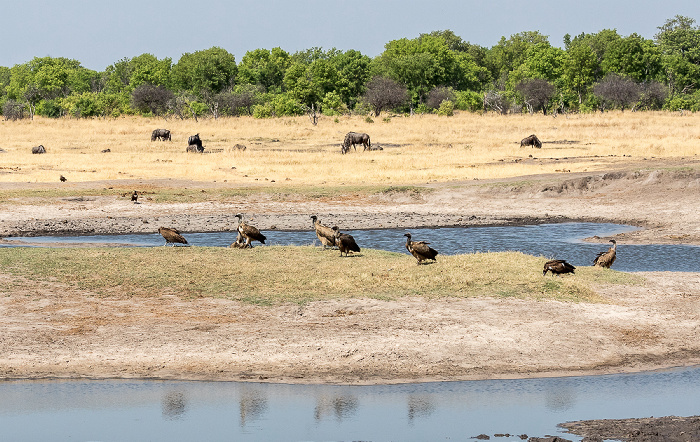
<point>248,232</point>
<point>558,267</point>
<point>239,243</point>
<point>346,243</point>
<point>325,234</point>
<point>607,258</point>
<point>420,249</point>
<point>171,236</point>
<point>63,179</point>
<point>135,197</point>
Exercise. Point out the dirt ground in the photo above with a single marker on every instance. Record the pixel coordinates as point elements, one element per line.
<point>49,330</point>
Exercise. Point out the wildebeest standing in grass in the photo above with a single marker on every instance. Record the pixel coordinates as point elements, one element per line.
<point>353,138</point>
<point>161,134</point>
<point>38,149</point>
<point>532,140</point>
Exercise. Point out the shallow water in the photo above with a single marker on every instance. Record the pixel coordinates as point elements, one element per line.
<point>560,241</point>
<point>218,411</point>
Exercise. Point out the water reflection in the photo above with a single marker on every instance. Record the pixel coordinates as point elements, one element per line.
<point>252,406</point>
<point>184,411</point>
<point>341,406</point>
<point>174,405</point>
<point>419,406</point>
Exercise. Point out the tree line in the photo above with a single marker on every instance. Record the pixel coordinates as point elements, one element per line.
<point>435,72</point>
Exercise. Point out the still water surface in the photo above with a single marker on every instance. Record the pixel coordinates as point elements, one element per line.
<point>225,411</point>
<point>560,241</point>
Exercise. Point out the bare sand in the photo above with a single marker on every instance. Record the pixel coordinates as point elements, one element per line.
<point>50,330</point>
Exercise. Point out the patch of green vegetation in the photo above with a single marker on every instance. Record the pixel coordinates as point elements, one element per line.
<point>274,275</point>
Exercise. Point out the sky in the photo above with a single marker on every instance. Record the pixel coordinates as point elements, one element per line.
<point>99,33</point>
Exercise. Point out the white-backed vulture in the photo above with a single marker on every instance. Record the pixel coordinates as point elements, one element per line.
<point>420,249</point>
<point>558,267</point>
<point>324,233</point>
<point>346,243</point>
<point>250,233</point>
<point>607,258</point>
<point>172,236</point>
<point>135,197</point>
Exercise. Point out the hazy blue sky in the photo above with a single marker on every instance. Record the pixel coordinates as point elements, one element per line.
<point>100,32</point>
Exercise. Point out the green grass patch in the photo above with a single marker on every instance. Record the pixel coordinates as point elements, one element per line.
<point>275,275</point>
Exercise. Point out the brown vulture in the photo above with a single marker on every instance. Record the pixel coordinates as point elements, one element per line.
<point>346,243</point>
<point>171,236</point>
<point>420,249</point>
<point>135,197</point>
<point>607,258</point>
<point>248,232</point>
<point>324,233</point>
<point>558,267</point>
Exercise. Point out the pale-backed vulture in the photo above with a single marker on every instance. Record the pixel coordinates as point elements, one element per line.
<point>250,233</point>
<point>420,249</point>
<point>607,258</point>
<point>172,236</point>
<point>558,267</point>
<point>346,243</point>
<point>324,233</point>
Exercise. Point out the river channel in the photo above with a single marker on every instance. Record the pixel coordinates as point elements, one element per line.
<point>128,410</point>
<point>560,241</point>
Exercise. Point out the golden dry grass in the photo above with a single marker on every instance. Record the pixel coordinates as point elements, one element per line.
<point>290,151</point>
<point>277,274</point>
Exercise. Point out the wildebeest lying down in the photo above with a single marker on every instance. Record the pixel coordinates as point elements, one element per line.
<point>38,149</point>
<point>532,140</point>
<point>353,138</point>
<point>195,148</point>
<point>162,134</point>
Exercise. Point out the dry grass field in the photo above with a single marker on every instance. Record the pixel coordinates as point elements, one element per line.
<point>291,152</point>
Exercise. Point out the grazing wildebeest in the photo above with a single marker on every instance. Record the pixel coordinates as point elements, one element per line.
<point>38,149</point>
<point>162,134</point>
<point>353,138</point>
<point>532,140</point>
<point>195,148</point>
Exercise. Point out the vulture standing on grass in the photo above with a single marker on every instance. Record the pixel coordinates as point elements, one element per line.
<point>249,232</point>
<point>558,267</point>
<point>420,249</point>
<point>607,258</point>
<point>172,236</point>
<point>325,234</point>
<point>346,243</point>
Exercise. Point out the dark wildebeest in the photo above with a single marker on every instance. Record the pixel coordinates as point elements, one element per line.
<point>162,134</point>
<point>532,140</point>
<point>195,148</point>
<point>194,139</point>
<point>38,149</point>
<point>353,138</point>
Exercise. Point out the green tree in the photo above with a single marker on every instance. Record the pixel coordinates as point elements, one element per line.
<point>679,42</point>
<point>213,70</point>
<point>579,70</point>
<point>264,67</point>
<point>634,57</point>
<point>509,54</point>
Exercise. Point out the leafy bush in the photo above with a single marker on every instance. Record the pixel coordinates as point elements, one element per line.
<point>438,95</point>
<point>469,101</point>
<point>446,109</point>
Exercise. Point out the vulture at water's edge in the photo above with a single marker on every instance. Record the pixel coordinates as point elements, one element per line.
<point>420,249</point>
<point>172,236</point>
<point>607,258</point>
<point>324,233</point>
<point>558,267</point>
<point>249,232</point>
<point>346,243</point>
